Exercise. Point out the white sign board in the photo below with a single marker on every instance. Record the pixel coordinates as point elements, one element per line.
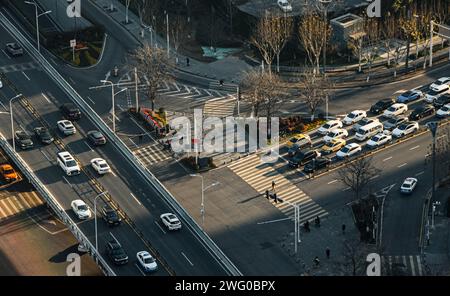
<point>73,43</point>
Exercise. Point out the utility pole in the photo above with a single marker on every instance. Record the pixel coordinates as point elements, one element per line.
<point>168,45</point>
<point>137,92</point>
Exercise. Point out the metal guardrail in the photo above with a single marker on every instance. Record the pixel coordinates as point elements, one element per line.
<point>203,237</point>
<point>55,206</point>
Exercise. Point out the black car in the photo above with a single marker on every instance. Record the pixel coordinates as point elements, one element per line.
<point>110,216</point>
<point>421,112</point>
<point>14,49</point>
<point>302,157</point>
<point>381,105</point>
<point>23,140</point>
<point>96,138</point>
<point>116,253</point>
<point>43,135</point>
<point>316,164</point>
<point>441,101</point>
<point>70,112</point>
<point>293,150</point>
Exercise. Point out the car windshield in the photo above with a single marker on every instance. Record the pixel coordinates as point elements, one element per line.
<point>407,185</point>
<point>71,163</point>
<point>326,125</point>
<point>149,260</point>
<point>9,171</point>
<point>97,135</point>
<point>294,140</point>
<point>407,94</point>
<point>15,46</point>
<point>333,134</point>
<point>352,115</point>
<point>439,82</point>
<point>376,138</point>
<point>392,109</point>
<point>345,149</point>
<point>445,108</point>
<point>403,127</point>
<point>103,165</point>
<point>82,208</point>
<point>393,121</point>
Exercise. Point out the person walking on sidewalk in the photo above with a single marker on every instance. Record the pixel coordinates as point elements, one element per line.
<point>316,261</point>
<point>187,61</point>
<point>343,228</point>
<point>327,252</point>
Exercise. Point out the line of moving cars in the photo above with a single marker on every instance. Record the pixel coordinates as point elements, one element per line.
<point>370,129</point>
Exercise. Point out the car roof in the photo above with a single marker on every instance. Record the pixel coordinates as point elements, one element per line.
<point>351,145</point>
<point>409,180</point>
<point>79,202</point>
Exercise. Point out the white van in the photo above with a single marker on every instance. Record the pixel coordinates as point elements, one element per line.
<point>369,130</point>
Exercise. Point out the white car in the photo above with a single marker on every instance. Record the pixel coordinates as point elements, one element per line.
<point>405,129</point>
<point>379,140</point>
<point>408,185</point>
<point>81,209</point>
<point>395,110</point>
<point>364,121</point>
<point>349,150</point>
<point>100,166</point>
<point>432,95</point>
<point>66,127</point>
<point>284,5</point>
<point>1,83</point>
<point>146,261</point>
<point>337,133</point>
<point>440,84</point>
<point>329,125</point>
<point>444,111</point>
<point>354,117</point>
<point>68,164</point>
<point>170,221</point>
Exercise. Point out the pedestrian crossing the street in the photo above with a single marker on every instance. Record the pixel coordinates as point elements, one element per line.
<point>15,203</point>
<point>402,265</point>
<point>220,107</point>
<point>151,154</point>
<point>260,176</point>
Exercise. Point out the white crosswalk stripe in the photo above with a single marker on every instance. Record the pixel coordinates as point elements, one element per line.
<point>407,265</point>
<point>151,154</point>
<point>14,203</point>
<point>220,107</point>
<point>260,177</point>
<point>19,67</point>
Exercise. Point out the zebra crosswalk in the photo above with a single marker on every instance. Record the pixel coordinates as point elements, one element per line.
<point>402,265</point>
<point>220,107</point>
<point>15,203</point>
<point>151,154</point>
<point>260,176</point>
<point>19,67</point>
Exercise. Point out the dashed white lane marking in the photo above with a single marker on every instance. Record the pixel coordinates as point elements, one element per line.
<point>26,76</point>
<point>136,199</point>
<point>402,165</point>
<point>415,147</point>
<point>46,98</point>
<point>331,182</point>
<point>137,266</point>
<point>187,259</point>
<point>89,98</point>
<point>159,226</point>
<point>419,173</point>
<point>67,181</point>
<point>374,177</point>
<point>386,159</point>
<point>7,55</point>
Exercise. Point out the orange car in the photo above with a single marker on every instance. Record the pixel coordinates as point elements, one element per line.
<point>8,173</point>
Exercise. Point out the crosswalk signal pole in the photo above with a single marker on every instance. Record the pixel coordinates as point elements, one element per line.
<point>238,101</point>
<point>136,85</point>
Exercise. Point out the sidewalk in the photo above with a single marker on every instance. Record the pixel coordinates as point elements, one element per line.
<point>437,253</point>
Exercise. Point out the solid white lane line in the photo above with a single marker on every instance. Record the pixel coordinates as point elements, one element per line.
<point>112,172</point>
<point>71,80</point>
<point>137,266</point>
<point>133,142</point>
<point>187,259</point>
<point>159,226</point>
<point>402,165</point>
<point>415,147</point>
<point>7,55</point>
<point>45,155</point>
<point>90,148</point>
<point>4,106</point>
<point>331,182</point>
<point>136,199</point>
<point>346,189</point>
<point>419,173</point>
<point>64,177</point>
<point>374,177</point>
<point>26,76</point>
<point>46,98</point>
<point>112,235</point>
<point>386,159</point>
<point>273,221</point>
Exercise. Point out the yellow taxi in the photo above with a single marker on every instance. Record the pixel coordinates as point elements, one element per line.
<point>8,173</point>
<point>299,140</point>
<point>333,146</point>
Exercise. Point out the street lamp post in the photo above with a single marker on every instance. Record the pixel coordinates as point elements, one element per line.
<point>37,21</point>
<point>433,126</point>
<point>95,218</point>
<point>12,120</point>
<point>202,205</point>
<point>113,101</point>
<point>433,212</point>
<point>296,207</point>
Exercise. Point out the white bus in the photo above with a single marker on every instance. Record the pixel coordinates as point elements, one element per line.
<point>369,130</point>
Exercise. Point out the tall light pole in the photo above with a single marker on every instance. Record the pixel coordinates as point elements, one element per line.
<point>168,44</point>
<point>37,21</point>
<point>325,4</point>
<point>12,120</point>
<point>433,126</point>
<point>202,205</point>
<point>95,218</point>
<point>113,101</point>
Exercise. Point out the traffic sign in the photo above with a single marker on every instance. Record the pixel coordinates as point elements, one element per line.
<point>73,43</point>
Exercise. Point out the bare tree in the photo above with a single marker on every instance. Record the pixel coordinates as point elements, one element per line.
<point>179,30</point>
<point>281,31</point>
<point>371,43</point>
<point>355,44</point>
<point>263,38</point>
<point>357,175</point>
<point>311,34</point>
<point>388,33</point>
<point>354,258</point>
<point>314,90</point>
<point>155,66</point>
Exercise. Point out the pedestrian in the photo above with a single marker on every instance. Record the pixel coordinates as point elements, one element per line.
<point>273,185</point>
<point>267,194</point>
<point>343,228</point>
<point>317,221</point>
<point>316,261</point>
<point>221,82</point>
<point>187,61</point>
<point>275,197</point>
<point>307,226</point>
<point>327,252</point>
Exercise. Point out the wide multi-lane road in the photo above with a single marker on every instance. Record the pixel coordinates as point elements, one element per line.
<point>139,200</point>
